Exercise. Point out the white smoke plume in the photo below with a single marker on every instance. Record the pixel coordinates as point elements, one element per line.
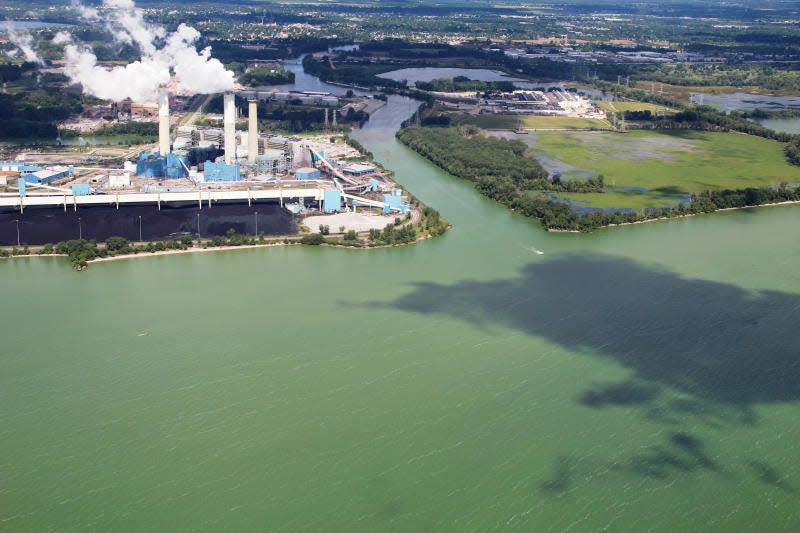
<point>89,14</point>
<point>24,42</point>
<point>62,37</point>
<point>162,55</point>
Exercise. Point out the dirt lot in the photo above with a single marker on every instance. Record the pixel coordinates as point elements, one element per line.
<point>355,221</point>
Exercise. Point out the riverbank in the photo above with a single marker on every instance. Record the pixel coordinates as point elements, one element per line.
<point>423,223</point>
<point>678,217</point>
<point>196,249</point>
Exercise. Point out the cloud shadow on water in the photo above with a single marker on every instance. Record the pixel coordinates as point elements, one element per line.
<point>709,340</point>
<point>716,349</point>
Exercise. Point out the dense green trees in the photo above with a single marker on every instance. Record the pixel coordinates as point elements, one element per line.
<point>264,76</point>
<point>361,73</point>
<point>467,153</point>
<point>793,151</point>
<point>464,84</point>
<point>706,118</point>
<point>312,239</point>
<point>34,114</point>
<point>507,182</point>
<point>393,234</point>
<point>781,77</point>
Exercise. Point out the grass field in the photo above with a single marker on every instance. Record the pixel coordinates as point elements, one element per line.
<point>644,168</point>
<point>684,92</point>
<point>488,122</point>
<point>564,123</point>
<point>618,107</point>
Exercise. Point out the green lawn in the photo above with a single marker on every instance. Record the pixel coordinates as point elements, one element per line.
<point>667,165</point>
<point>564,123</point>
<point>618,197</point>
<point>488,122</point>
<point>618,106</point>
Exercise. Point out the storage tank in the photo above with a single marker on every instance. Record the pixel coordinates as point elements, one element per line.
<point>307,174</point>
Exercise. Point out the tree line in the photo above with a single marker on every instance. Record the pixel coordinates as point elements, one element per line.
<point>264,76</point>
<point>504,174</point>
<point>36,113</point>
<point>464,84</point>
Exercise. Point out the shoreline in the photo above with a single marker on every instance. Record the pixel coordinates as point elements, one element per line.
<point>200,249</point>
<point>787,202</point>
<point>196,249</point>
<point>193,249</point>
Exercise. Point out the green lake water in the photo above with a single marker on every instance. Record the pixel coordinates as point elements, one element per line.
<point>785,125</point>
<point>639,378</point>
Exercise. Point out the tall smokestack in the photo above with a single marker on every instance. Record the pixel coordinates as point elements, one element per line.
<point>163,121</point>
<point>252,130</point>
<point>229,127</point>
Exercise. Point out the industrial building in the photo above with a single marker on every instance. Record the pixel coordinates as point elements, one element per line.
<point>17,168</point>
<point>359,169</point>
<point>81,189</point>
<point>301,97</point>
<point>47,175</point>
<point>332,201</point>
<point>202,165</point>
<point>394,202</point>
<point>153,165</point>
<point>221,172</point>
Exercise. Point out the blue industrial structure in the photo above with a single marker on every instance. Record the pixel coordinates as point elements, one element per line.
<point>332,201</point>
<point>358,169</point>
<point>81,189</point>
<point>221,172</point>
<point>200,154</point>
<point>316,156</point>
<point>374,185</point>
<point>154,165</point>
<point>47,175</point>
<point>307,174</point>
<point>394,202</point>
<point>22,188</point>
<point>18,166</point>
<point>27,169</point>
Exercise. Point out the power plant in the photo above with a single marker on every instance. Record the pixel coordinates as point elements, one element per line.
<point>205,165</point>
<point>208,154</point>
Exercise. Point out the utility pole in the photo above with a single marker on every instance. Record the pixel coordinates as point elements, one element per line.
<point>140,228</point>
<point>17,221</point>
<point>198,227</point>
<point>256,223</point>
<point>80,230</point>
